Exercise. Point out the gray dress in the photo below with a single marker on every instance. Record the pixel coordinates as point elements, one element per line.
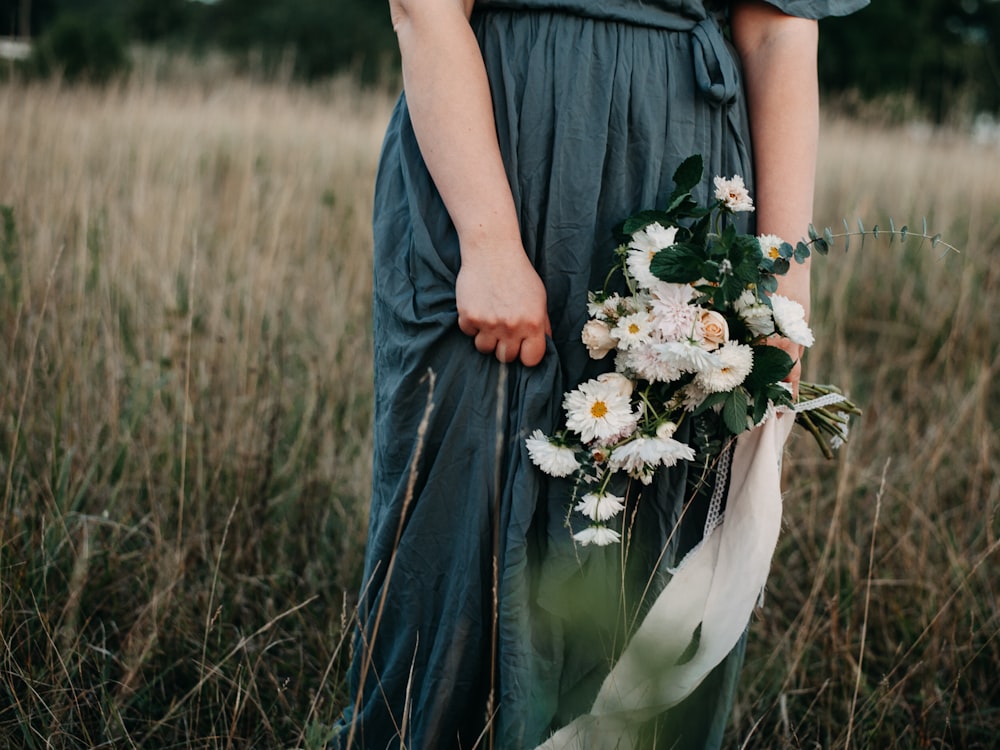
<point>596,103</point>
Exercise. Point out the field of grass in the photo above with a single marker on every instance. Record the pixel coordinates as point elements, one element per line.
<point>184,430</point>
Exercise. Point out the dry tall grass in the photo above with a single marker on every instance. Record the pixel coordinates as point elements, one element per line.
<point>184,431</point>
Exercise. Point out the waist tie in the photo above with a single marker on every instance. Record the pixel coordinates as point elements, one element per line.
<point>716,72</point>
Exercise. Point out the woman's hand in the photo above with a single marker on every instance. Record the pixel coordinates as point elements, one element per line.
<point>502,304</point>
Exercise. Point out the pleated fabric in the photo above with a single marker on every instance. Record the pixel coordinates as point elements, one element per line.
<point>596,105</point>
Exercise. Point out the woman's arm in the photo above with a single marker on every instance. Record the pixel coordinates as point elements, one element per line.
<point>500,298</point>
<point>778,53</point>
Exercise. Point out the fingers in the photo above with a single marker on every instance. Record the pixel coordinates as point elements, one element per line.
<point>530,350</point>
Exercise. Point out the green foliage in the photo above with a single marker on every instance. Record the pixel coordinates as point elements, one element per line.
<point>81,48</point>
<point>942,51</point>
<point>320,37</point>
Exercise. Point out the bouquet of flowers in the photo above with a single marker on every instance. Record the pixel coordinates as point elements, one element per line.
<point>690,339</point>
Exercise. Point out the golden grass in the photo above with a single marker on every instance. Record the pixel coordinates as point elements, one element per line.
<point>184,430</point>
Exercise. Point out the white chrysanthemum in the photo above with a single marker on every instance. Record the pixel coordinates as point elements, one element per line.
<point>770,245</point>
<point>632,330</point>
<point>667,451</point>
<point>641,457</point>
<point>646,243</point>
<point>736,362</point>
<point>599,535</point>
<point>733,193</point>
<point>688,356</point>
<point>790,320</point>
<point>647,364</point>
<point>598,411</point>
<point>600,507</point>
<point>674,318</point>
<point>692,395</point>
<point>628,456</point>
<point>554,460</point>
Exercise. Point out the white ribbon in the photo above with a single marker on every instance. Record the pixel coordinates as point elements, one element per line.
<point>702,612</point>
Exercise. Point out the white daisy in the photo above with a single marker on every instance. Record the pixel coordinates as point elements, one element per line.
<point>598,411</point>
<point>632,330</point>
<point>646,243</point>
<point>790,320</point>
<point>600,507</point>
<point>599,535</point>
<point>733,193</point>
<point>673,317</point>
<point>736,363</point>
<point>554,460</point>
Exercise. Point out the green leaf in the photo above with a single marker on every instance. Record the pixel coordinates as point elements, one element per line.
<point>875,231</point>
<point>828,236</point>
<point>770,365</point>
<point>681,264</point>
<point>781,266</point>
<point>759,408</point>
<point>801,252</point>
<point>903,232</point>
<point>935,240</point>
<point>769,284</point>
<point>892,231</point>
<point>688,174</point>
<point>643,219</point>
<point>712,400</point>
<point>734,411</point>
<point>847,236</point>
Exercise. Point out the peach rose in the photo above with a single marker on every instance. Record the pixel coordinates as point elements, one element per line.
<point>714,329</point>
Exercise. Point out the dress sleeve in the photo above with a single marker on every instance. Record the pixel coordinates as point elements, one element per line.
<point>818,8</point>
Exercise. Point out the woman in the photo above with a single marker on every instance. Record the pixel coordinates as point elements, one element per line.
<point>528,129</point>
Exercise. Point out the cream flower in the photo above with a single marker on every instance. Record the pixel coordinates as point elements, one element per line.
<point>790,320</point>
<point>632,330</point>
<point>554,460</point>
<point>674,318</point>
<point>714,329</point>
<point>597,337</point>
<point>736,361</point>
<point>622,385</point>
<point>598,411</point>
<point>733,193</point>
<point>599,535</point>
<point>600,507</point>
<point>770,245</point>
<point>646,243</point>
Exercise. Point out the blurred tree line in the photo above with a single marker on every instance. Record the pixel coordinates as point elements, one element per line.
<point>942,52</point>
